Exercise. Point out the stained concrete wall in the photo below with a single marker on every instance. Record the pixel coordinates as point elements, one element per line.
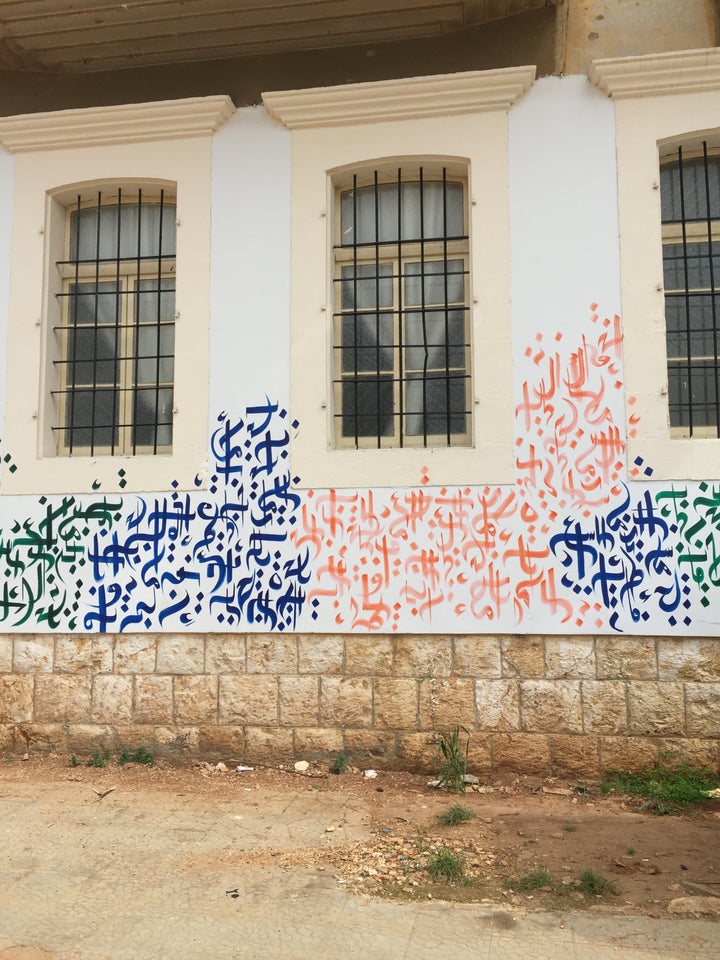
<point>514,41</point>
<point>623,28</point>
<point>562,37</point>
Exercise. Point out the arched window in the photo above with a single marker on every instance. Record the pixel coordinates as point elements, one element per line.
<point>690,198</point>
<point>108,342</point>
<point>401,331</point>
<point>114,350</point>
<point>115,335</point>
<point>666,116</point>
<point>400,280</point>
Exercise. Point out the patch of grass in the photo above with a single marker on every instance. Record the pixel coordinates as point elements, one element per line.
<point>74,762</point>
<point>532,880</point>
<point>630,851</point>
<point>421,841</point>
<point>569,827</point>
<point>99,758</point>
<point>594,884</point>
<point>665,789</point>
<point>141,755</point>
<point>454,759</point>
<point>340,764</point>
<point>445,866</point>
<point>455,815</point>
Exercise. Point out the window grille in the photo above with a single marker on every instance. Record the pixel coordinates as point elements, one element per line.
<point>690,198</point>
<point>401,338</point>
<point>115,337</point>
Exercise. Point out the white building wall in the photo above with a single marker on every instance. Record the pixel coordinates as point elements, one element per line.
<point>250,261</point>
<point>6,186</point>
<point>574,546</point>
<point>563,206</point>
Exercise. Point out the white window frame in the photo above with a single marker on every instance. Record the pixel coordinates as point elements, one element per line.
<point>168,142</point>
<point>661,101</point>
<point>457,118</point>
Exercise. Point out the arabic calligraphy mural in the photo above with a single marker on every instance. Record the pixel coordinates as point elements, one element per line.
<point>572,546</point>
<point>222,557</point>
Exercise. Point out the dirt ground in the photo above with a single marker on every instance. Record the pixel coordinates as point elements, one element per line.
<point>520,825</point>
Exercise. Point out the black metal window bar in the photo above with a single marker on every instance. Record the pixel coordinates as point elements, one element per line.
<point>402,317</point>
<point>690,199</point>
<point>116,336</point>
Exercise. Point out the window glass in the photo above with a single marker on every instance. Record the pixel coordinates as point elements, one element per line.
<point>686,185</point>
<point>402,318</point>
<point>411,211</point>
<point>115,362</point>
<point>106,230</point>
<point>690,201</point>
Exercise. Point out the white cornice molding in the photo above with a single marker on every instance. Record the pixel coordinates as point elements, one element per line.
<point>389,100</point>
<point>127,123</point>
<point>658,74</point>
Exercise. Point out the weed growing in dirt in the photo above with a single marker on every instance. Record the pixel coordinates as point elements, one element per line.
<point>569,827</point>
<point>141,755</point>
<point>340,764</point>
<point>422,842</point>
<point>445,866</point>
<point>99,758</point>
<point>454,756</point>
<point>665,789</point>
<point>532,880</point>
<point>594,884</point>
<point>74,762</point>
<point>589,883</point>
<point>455,815</point>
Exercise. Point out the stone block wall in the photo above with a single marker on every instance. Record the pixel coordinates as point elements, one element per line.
<point>565,705</point>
